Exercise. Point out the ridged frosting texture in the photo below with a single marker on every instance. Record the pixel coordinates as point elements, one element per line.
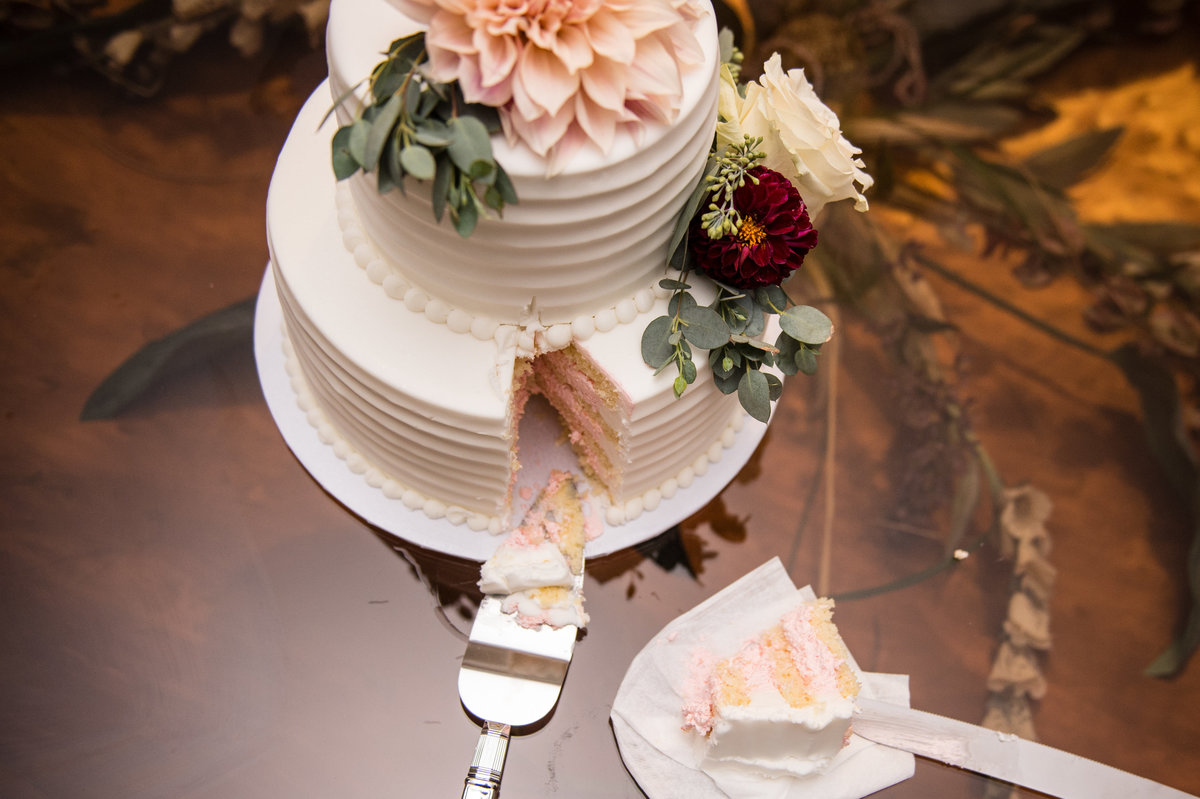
<point>586,238</point>
<point>423,409</point>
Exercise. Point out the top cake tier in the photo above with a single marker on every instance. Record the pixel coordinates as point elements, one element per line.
<point>578,242</point>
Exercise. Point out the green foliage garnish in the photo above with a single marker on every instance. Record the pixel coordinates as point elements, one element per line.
<point>731,54</point>
<point>418,127</point>
<point>729,328</point>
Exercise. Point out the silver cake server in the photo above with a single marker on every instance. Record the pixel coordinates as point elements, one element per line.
<point>510,677</point>
<point>1003,756</point>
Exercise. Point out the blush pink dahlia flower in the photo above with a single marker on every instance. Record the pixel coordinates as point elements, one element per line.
<point>563,72</point>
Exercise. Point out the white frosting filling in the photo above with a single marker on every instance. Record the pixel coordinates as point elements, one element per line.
<point>770,736</point>
<point>520,568</point>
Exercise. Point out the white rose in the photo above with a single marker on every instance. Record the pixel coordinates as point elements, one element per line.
<point>801,136</point>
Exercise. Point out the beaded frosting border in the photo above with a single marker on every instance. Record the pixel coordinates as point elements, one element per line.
<point>529,339</point>
<point>614,513</point>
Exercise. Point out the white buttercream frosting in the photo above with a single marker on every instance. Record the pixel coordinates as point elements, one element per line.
<point>590,238</point>
<point>512,569</point>
<point>404,339</point>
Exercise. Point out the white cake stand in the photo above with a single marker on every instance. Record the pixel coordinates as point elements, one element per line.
<point>541,451</point>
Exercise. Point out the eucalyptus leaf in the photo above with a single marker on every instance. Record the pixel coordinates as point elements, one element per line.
<point>487,115</point>
<point>442,177</point>
<point>387,80</point>
<point>504,185</point>
<point>657,349</point>
<point>161,358</point>
<point>418,162</point>
<point>466,218</point>
<point>771,299</point>
<point>405,52</point>
<point>703,327</point>
<point>755,395</point>
<point>493,199</point>
<point>673,285</point>
<point>774,386</point>
<point>344,162</point>
<point>381,130</point>
<point>806,360</point>
<point>725,44</point>
<point>412,99</point>
<point>727,384</point>
<point>356,140</point>
<point>386,177</point>
<point>688,370</point>
<point>688,212</point>
<point>807,324</point>
<point>722,365</point>
<point>432,133</point>
<point>482,170</point>
<point>469,142</point>
<point>679,302</point>
<point>789,351</point>
<point>391,163</point>
<point>740,310</point>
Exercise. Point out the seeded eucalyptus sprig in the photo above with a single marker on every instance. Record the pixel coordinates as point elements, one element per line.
<point>733,165</point>
<point>415,126</point>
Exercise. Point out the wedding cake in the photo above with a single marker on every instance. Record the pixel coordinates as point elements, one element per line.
<point>443,272</point>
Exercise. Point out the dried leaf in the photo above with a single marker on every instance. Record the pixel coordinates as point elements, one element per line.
<point>1167,438</point>
<point>1026,510</point>
<point>1036,572</point>
<point>1016,668</point>
<point>1163,238</point>
<point>1028,624</point>
<point>1067,163</point>
<point>966,500</point>
<point>158,359</point>
<point>1010,712</point>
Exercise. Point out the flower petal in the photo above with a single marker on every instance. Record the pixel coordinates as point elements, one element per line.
<point>610,38</point>
<point>605,82</point>
<point>497,57</point>
<point>573,49</point>
<point>600,124</point>
<point>555,83</point>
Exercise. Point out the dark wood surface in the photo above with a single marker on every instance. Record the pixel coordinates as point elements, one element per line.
<point>187,614</point>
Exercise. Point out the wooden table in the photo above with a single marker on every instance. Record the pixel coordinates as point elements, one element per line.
<point>187,614</point>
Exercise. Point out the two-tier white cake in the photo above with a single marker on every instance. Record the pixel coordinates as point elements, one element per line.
<point>413,349</point>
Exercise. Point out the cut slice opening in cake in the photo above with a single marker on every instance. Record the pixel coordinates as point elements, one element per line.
<point>589,408</point>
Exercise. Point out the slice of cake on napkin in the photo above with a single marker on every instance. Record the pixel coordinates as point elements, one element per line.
<point>783,702</point>
<point>735,645</point>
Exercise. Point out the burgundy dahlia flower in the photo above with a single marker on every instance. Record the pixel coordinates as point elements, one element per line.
<point>774,237</point>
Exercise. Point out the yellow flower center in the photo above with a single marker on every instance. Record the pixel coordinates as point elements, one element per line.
<point>751,232</point>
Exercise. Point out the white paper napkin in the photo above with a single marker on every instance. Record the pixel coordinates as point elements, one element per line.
<point>668,762</point>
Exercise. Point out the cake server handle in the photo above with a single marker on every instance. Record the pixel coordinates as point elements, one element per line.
<point>1005,757</point>
<point>483,778</point>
